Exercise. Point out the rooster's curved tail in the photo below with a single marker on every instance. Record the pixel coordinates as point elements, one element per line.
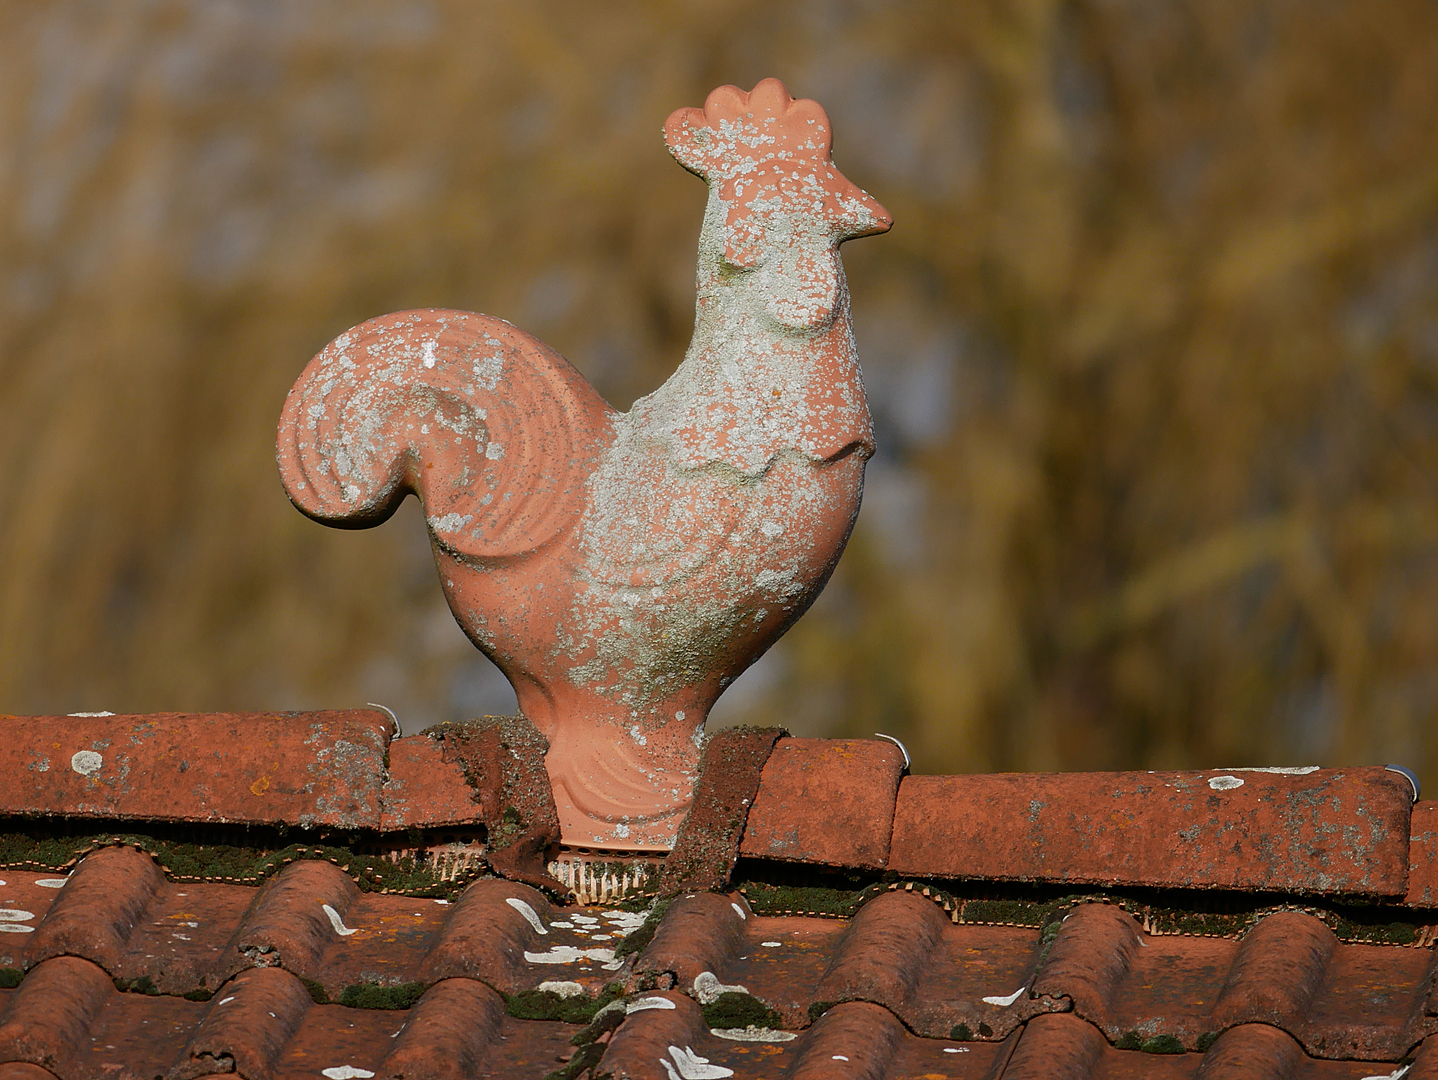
<point>493,430</point>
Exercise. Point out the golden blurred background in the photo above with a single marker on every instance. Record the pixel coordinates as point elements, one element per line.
<point>1152,350</point>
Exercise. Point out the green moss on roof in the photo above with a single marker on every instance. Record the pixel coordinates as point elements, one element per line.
<point>238,864</point>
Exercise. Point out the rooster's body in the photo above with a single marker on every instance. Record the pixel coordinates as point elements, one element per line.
<point>623,568</point>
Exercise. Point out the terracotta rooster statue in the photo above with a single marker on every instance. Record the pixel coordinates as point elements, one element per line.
<point>622,569</point>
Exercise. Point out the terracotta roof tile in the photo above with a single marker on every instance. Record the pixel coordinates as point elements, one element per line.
<point>249,1026</point>
<point>1329,831</point>
<point>449,1032</point>
<point>893,987</point>
<point>1423,856</point>
<point>896,980</point>
<point>828,801</point>
<point>96,912</point>
<point>422,789</point>
<point>52,1012</point>
<point>264,1024</point>
<point>309,769</point>
<point>18,1070</point>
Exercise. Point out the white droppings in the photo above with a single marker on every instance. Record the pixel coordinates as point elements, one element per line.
<point>839,1057</point>
<point>956,1049</point>
<point>1396,1074</point>
<point>690,1066</point>
<point>563,925</point>
<point>86,762</point>
<point>771,944</point>
<point>15,928</point>
<point>1225,783</point>
<point>568,954</point>
<point>563,988</point>
<point>530,915</point>
<point>1006,1001</point>
<point>1283,770</point>
<point>340,928</point>
<point>226,1001</point>
<point>346,1072</point>
<point>646,1003</point>
<point>90,714</point>
<point>738,910</point>
<point>754,1034</point>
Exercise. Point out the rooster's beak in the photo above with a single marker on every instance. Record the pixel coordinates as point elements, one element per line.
<point>872,218</point>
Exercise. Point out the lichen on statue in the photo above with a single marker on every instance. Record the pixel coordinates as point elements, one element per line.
<point>622,569</point>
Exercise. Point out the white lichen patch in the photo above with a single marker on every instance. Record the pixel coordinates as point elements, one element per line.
<point>568,954</point>
<point>86,762</point>
<point>707,988</point>
<point>754,1034</point>
<point>646,1003</point>
<point>1225,783</point>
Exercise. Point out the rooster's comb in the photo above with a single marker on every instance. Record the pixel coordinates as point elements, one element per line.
<point>762,149</point>
<point>734,130</point>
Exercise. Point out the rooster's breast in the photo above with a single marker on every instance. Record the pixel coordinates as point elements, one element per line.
<point>690,572</point>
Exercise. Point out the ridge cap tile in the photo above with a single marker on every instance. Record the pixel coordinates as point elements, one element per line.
<point>1423,856</point>
<point>826,801</point>
<point>423,789</point>
<point>305,768</point>
<point>1317,832</point>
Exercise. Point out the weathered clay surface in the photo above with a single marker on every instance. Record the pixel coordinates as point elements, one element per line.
<point>1305,830</point>
<point>623,569</point>
<point>307,769</point>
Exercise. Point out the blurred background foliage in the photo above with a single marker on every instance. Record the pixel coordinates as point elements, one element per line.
<point>1152,350</point>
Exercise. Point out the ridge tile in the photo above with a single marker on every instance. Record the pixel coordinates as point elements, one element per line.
<point>827,801</point>
<point>1311,831</point>
<point>307,769</point>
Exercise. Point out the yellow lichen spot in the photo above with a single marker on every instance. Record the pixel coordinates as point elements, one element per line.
<point>260,786</point>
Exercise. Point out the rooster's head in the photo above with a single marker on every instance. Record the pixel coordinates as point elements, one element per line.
<point>786,207</point>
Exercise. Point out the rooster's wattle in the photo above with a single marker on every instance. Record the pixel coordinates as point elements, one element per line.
<point>622,569</point>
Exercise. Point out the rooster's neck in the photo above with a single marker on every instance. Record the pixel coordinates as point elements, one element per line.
<point>750,386</point>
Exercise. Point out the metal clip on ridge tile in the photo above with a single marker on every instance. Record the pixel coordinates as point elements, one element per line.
<point>1412,779</point>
